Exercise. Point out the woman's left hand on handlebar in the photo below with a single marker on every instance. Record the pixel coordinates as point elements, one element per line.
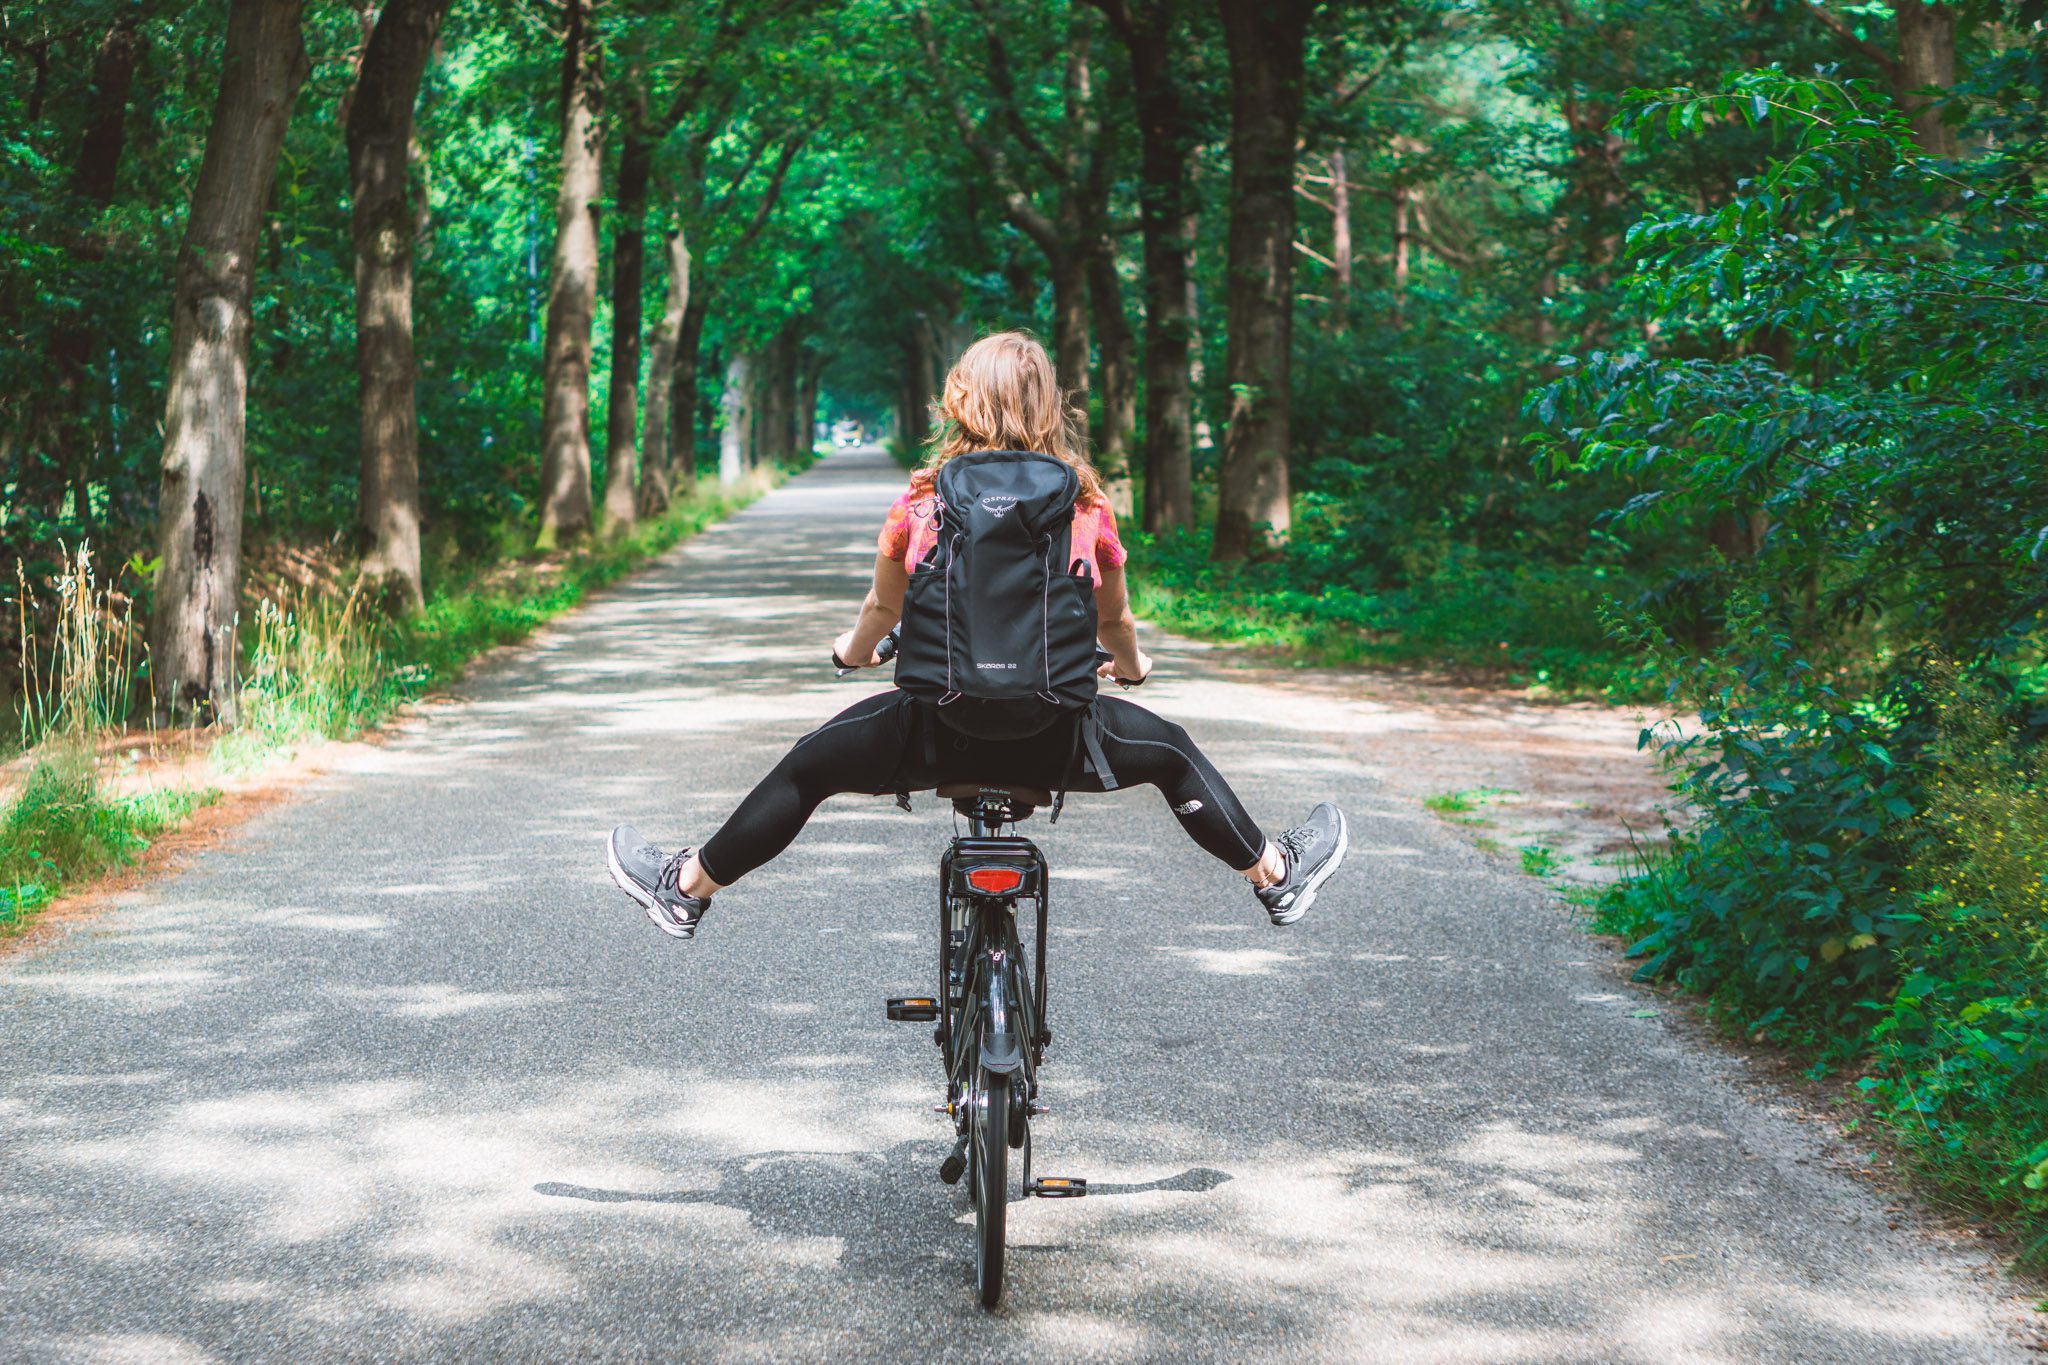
<point>844,643</point>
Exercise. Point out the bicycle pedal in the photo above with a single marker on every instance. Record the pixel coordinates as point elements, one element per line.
<point>1057,1187</point>
<point>914,1009</point>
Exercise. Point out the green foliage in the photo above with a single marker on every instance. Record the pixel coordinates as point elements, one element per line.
<point>1851,361</point>
<point>1777,901</point>
<point>1533,621</point>
<point>61,827</point>
<point>1961,1055</point>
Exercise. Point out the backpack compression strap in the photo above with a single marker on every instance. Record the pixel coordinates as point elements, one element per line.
<point>1087,736</point>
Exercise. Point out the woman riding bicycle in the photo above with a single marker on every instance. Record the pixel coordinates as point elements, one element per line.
<point>1002,395</point>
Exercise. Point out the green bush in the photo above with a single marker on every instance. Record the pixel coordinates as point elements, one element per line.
<point>1962,1047</point>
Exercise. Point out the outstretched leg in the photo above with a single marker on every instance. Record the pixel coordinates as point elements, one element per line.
<point>858,750</point>
<point>1287,873</point>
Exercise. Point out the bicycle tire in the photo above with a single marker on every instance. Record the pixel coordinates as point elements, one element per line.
<point>991,1188</point>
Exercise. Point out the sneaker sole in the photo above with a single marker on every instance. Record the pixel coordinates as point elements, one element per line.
<point>1308,893</point>
<point>646,902</point>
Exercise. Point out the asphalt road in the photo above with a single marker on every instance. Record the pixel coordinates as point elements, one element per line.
<point>396,1073</point>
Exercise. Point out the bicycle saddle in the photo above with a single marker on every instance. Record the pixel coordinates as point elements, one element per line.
<point>1011,796</point>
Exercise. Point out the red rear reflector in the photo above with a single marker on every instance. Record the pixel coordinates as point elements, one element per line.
<point>996,881</point>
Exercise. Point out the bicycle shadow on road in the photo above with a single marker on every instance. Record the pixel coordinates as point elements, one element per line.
<point>744,1188</point>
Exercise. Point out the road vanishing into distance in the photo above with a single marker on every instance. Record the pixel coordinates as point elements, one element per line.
<point>394,1073</point>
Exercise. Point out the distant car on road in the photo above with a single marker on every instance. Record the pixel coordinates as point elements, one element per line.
<point>846,433</point>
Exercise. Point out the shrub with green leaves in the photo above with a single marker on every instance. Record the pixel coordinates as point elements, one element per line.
<point>1962,1046</point>
<point>1848,375</point>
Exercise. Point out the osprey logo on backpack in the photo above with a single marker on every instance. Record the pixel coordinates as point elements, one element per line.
<point>998,629</point>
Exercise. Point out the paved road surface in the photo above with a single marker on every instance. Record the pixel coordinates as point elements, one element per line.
<point>397,1074</point>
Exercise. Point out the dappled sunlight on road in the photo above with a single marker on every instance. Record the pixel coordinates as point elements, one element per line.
<point>399,1058</point>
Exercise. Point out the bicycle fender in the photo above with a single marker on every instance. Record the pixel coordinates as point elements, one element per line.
<point>1002,1053</point>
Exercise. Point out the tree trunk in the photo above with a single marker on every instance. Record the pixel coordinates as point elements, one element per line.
<point>807,405</point>
<point>1340,232</point>
<point>682,400</point>
<point>1119,428</point>
<point>1401,245</point>
<point>199,505</point>
<point>736,418</point>
<point>382,228</point>
<point>629,271</point>
<point>661,365</point>
<point>920,386</point>
<point>760,367</point>
<point>1927,58</point>
<point>1070,341</point>
<point>777,377</point>
<point>92,180</point>
<point>1166,205</point>
<point>572,293</point>
<point>1265,38</point>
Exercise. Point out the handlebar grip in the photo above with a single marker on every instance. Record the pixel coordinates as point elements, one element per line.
<point>885,650</point>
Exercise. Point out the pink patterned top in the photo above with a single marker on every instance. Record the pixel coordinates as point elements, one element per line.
<point>908,533</point>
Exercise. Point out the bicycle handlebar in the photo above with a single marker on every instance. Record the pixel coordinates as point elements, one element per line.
<point>885,650</point>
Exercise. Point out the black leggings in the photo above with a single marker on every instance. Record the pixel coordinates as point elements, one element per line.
<point>878,746</point>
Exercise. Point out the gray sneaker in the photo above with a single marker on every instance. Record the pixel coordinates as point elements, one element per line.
<point>649,876</point>
<point>1314,849</point>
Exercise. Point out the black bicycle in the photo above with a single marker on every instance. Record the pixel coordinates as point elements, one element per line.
<point>991,1013</point>
<point>991,1010</point>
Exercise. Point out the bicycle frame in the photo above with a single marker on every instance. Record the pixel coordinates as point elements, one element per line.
<point>981,961</point>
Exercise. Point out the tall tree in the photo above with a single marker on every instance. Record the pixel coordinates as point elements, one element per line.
<point>1166,202</point>
<point>92,181</point>
<point>572,289</point>
<point>1065,233</point>
<point>661,366</point>
<point>629,271</point>
<point>1266,41</point>
<point>706,212</point>
<point>382,227</point>
<point>1925,60</point>
<point>199,503</point>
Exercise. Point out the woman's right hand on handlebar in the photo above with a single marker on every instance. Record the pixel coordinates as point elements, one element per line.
<point>1116,672</point>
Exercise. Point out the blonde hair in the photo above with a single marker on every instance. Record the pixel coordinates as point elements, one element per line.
<point>1002,394</point>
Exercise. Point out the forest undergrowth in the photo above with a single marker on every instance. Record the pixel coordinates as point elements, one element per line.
<point>318,663</point>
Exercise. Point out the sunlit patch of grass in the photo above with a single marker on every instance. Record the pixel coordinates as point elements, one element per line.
<point>1539,861</point>
<point>1537,626</point>
<point>1459,806</point>
<point>62,828</point>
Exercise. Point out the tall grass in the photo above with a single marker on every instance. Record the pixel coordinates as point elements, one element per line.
<point>60,823</point>
<point>79,688</point>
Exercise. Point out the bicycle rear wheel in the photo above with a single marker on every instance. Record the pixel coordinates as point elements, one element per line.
<point>990,1142</point>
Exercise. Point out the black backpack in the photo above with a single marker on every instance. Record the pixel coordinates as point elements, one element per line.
<point>998,629</point>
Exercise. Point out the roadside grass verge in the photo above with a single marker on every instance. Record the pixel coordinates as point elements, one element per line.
<point>64,828</point>
<point>1529,625</point>
<point>316,665</point>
